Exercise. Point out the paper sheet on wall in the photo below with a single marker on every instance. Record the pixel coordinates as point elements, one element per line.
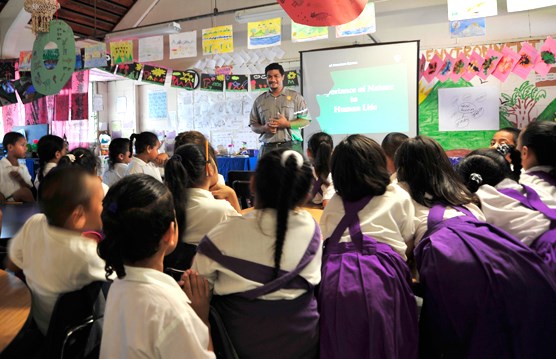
<point>151,49</point>
<point>249,137</point>
<point>183,45</point>
<point>158,105</point>
<point>468,108</point>
<point>185,111</point>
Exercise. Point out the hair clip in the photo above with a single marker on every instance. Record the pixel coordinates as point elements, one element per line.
<point>503,149</point>
<point>112,207</point>
<point>71,157</point>
<point>287,154</point>
<point>176,158</point>
<point>475,177</point>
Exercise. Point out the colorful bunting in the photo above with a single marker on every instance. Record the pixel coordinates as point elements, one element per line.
<point>527,60</point>
<point>460,66</point>
<point>155,75</point>
<point>473,66</point>
<point>547,57</point>
<point>506,64</point>
<point>131,71</point>
<point>492,58</point>
<point>433,68</point>
<point>446,68</point>
<point>188,79</point>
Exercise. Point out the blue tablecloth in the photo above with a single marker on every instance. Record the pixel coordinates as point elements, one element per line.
<point>226,164</point>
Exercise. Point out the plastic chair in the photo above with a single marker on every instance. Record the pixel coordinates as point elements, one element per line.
<point>243,191</point>
<point>75,328</point>
<point>237,175</point>
<point>223,346</point>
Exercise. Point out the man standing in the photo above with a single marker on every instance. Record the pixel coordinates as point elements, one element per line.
<point>279,114</point>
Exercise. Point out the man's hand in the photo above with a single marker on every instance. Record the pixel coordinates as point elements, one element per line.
<point>271,127</point>
<point>281,122</point>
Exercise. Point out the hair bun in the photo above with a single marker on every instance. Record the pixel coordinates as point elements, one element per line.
<point>287,154</point>
<point>176,158</point>
<point>475,177</point>
<point>503,149</point>
<point>71,157</point>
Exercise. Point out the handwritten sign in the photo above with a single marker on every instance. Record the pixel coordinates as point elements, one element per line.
<point>183,45</point>
<point>131,71</point>
<point>158,105</point>
<point>188,79</point>
<point>237,83</point>
<point>218,40</point>
<point>151,48</point>
<point>50,82</point>
<point>468,108</point>
<point>212,82</point>
<point>121,51</point>
<point>155,75</point>
<point>95,56</point>
<point>258,82</point>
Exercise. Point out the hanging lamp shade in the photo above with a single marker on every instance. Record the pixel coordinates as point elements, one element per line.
<point>41,13</point>
<point>323,12</point>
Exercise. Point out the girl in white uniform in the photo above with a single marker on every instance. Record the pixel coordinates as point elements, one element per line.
<point>119,156</point>
<point>50,149</point>
<point>189,175</point>
<point>84,158</point>
<point>147,314</point>
<point>146,151</point>
<point>319,151</point>
<point>487,173</point>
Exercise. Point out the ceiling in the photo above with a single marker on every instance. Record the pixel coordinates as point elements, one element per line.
<point>3,3</point>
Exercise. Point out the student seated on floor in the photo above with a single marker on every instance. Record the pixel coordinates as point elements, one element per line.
<point>15,180</point>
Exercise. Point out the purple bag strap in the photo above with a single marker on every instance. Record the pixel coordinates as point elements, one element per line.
<point>317,188</point>
<point>544,176</point>
<point>530,200</point>
<point>261,273</point>
<point>350,220</point>
<point>436,214</point>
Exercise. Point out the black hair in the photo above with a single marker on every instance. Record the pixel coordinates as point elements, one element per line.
<point>81,157</point>
<point>484,166</point>
<point>194,137</point>
<point>422,163</point>
<point>117,146</point>
<point>391,142</point>
<point>540,137</point>
<point>185,169</point>
<point>61,191</point>
<point>281,187</point>
<point>46,148</point>
<point>321,145</point>
<point>359,168</point>
<point>142,141</point>
<point>137,212</point>
<point>514,132</point>
<point>274,66</point>
<point>11,138</point>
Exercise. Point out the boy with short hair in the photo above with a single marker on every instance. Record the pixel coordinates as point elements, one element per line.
<point>15,180</point>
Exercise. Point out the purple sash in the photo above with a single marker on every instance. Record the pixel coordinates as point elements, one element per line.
<point>269,328</point>
<point>316,188</point>
<point>366,304</point>
<point>471,273</point>
<point>544,176</point>
<point>545,244</point>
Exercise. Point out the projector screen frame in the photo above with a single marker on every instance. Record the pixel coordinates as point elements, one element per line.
<point>417,43</point>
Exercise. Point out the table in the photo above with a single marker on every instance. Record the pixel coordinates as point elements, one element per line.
<point>315,212</point>
<point>15,307</point>
<point>14,216</point>
<point>226,164</point>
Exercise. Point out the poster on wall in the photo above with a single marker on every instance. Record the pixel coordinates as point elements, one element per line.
<point>303,33</point>
<point>95,56</point>
<point>264,33</point>
<point>258,82</point>
<point>151,48</point>
<point>237,83</point>
<point>154,75</point>
<point>468,108</point>
<point>364,24</point>
<point>25,61</point>
<point>218,40</point>
<point>158,105</point>
<point>131,71</point>
<point>183,45</point>
<point>121,52</point>
<point>291,78</point>
<point>522,5</point>
<point>468,28</point>
<point>188,79</point>
<point>471,9</point>
<point>212,82</point>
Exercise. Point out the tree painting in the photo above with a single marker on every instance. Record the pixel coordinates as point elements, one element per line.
<point>518,107</point>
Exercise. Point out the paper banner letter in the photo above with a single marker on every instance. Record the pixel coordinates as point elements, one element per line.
<point>492,58</point>
<point>547,57</point>
<point>506,64</point>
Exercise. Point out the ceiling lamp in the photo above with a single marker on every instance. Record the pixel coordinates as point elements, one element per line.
<point>144,31</point>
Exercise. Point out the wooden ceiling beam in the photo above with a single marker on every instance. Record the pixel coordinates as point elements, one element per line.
<point>105,5</point>
<point>83,19</point>
<point>90,11</point>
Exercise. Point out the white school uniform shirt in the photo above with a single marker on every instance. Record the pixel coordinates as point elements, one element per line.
<point>147,315</point>
<point>47,168</point>
<point>8,185</point>
<point>114,174</point>
<point>252,237</point>
<point>545,190</point>
<point>139,166</point>
<point>510,215</point>
<point>54,261</point>
<point>422,214</point>
<point>387,218</point>
<point>203,213</point>
<point>327,190</point>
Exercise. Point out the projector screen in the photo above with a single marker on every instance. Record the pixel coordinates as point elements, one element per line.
<point>371,90</point>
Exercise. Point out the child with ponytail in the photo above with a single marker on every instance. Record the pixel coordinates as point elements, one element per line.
<point>147,313</point>
<point>146,152</point>
<point>319,151</point>
<point>50,149</point>
<point>263,267</point>
<point>119,156</point>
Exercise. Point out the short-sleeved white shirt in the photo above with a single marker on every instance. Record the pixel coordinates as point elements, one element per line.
<point>510,215</point>
<point>387,218</point>
<point>114,174</point>
<point>139,166</point>
<point>47,168</point>
<point>8,185</point>
<point>327,191</point>
<point>545,190</point>
<point>54,261</point>
<point>148,315</point>
<point>203,213</point>
<point>252,237</point>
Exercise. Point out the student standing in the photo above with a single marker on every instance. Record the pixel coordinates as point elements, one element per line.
<point>15,180</point>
